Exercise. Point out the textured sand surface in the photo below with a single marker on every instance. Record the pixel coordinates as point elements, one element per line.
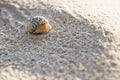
<point>83,45</point>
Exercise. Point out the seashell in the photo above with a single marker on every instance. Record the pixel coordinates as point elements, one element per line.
<point>38,25</point>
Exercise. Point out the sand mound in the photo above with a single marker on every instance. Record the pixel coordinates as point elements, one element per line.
<point>84,44</point>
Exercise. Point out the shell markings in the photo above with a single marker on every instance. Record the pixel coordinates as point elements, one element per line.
<point>38,25</point>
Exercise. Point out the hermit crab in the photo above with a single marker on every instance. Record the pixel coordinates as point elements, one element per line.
<point>38,25</point>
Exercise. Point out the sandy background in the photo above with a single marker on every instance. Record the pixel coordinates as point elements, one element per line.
<point>83,45</point>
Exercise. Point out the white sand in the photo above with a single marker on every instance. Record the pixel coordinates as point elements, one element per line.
<point>84,44</point>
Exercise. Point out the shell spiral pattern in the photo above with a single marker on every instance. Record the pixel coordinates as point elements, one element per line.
<point>38,25</point>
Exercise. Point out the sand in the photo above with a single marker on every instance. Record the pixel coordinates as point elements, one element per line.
<point>83,45</point>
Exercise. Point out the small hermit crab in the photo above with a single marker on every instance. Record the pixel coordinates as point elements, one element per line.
<point>38,25</point>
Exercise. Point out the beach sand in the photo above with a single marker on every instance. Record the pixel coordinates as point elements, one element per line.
<point>84,43</point>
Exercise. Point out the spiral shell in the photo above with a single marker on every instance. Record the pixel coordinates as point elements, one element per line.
<point>38,25</point>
